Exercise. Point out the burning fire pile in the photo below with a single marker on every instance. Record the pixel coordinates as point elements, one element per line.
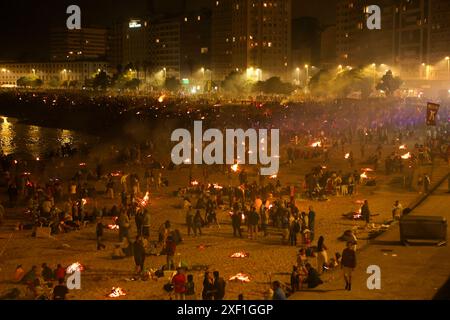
<point>75,267</point>
<point>406,156</point>
<point>116,174</point>
<point>273,177</point>
<point>347,156</point>
<point>144,201</point>
<point>242,277</point>
<point>402,147</point>
<point>316,144</point>
<point>194,183</point>
<point>239,255</point>
<point>117,292</point>
<point>365,175</point>
<point>114,225</point>
<point>235,167</point>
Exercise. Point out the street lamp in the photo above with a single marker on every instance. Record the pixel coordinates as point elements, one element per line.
<point>448,67</point>
<point>307,73</point>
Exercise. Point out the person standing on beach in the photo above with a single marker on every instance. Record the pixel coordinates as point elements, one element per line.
<point>348,264</point>
<point>365,212</point>
<point>99,233</point>
<point>311,221</point>
<point>139,254</point>
<point>124,225</point>
<point>146,225</point>
<point>219,286</point>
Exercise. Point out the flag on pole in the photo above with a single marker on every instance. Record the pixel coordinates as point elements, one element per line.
<point>432,110</point>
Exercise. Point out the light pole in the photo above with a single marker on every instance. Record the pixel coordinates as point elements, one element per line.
<point>307,73</point>
<point>448,67</point>
<point>374,65</point>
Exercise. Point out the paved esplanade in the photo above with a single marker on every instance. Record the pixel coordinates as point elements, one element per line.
<point>407,273</point>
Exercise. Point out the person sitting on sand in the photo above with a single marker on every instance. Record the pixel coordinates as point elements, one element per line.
<point>313,278</point>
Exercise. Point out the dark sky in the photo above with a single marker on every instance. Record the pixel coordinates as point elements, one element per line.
<point>24,23</point>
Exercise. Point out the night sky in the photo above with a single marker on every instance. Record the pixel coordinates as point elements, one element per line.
<point>24,24</point>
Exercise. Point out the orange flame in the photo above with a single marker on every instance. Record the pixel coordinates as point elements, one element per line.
<point>117,292</point>
<point>240,277</point>
<point>407,156</point>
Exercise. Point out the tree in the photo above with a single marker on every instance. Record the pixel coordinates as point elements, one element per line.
<point>101,80</point>
<point>172,84</point>
<point>273,85</point>
<point>23,82</point>
<point>235,82</point>
<point>389,84</point>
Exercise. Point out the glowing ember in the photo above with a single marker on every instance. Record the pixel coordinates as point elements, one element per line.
<point>347,156</point>
<point>407,156</point>
<point>235,167</point>
<point>113,227</point>
<point>75,267</point>
<point>116,174</point>
<point>84,202</point>
<point>194,183</point>
<point>82,164</point>
<point>241,254</point>
<point>38,159</point>
<point>316,144</point>
<point>15,162</point>
<point>117,292</point>
<point>402,147</point>
<point>217,186</point>
<point>364,175</point>
<point>240,277</point>
<point>161,99</point>
<point>273,177</point>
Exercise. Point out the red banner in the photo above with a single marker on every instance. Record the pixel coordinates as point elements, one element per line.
<point>432,111</point>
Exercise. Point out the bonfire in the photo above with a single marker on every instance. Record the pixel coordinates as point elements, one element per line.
<point>117,292</point>
<point>240,254</point>
<point>407,156</point>
<point>242,277</point>
<point>316,144</point>
<point>75,267</point>
<point>235,167</point>
<point>402,147</point>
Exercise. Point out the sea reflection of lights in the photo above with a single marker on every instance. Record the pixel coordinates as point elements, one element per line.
<point>34,137</point>
<point>7,135</point>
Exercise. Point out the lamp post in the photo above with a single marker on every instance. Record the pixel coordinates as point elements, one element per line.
<point>448,67</point>
<point>307,73</point>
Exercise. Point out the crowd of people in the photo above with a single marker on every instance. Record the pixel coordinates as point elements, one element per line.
<point>256,209</point>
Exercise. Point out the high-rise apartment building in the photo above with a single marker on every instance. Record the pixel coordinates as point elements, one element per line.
<point>259,35</point>
<point>86,43</point>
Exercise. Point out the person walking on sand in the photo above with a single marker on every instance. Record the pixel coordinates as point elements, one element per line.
<point>311,222</point>
<point>397,211</point>
<point>322,256</point>
<point>179,285</point>
<point>348,264</point>
<point>139,254</point>
<point>365,212</point>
